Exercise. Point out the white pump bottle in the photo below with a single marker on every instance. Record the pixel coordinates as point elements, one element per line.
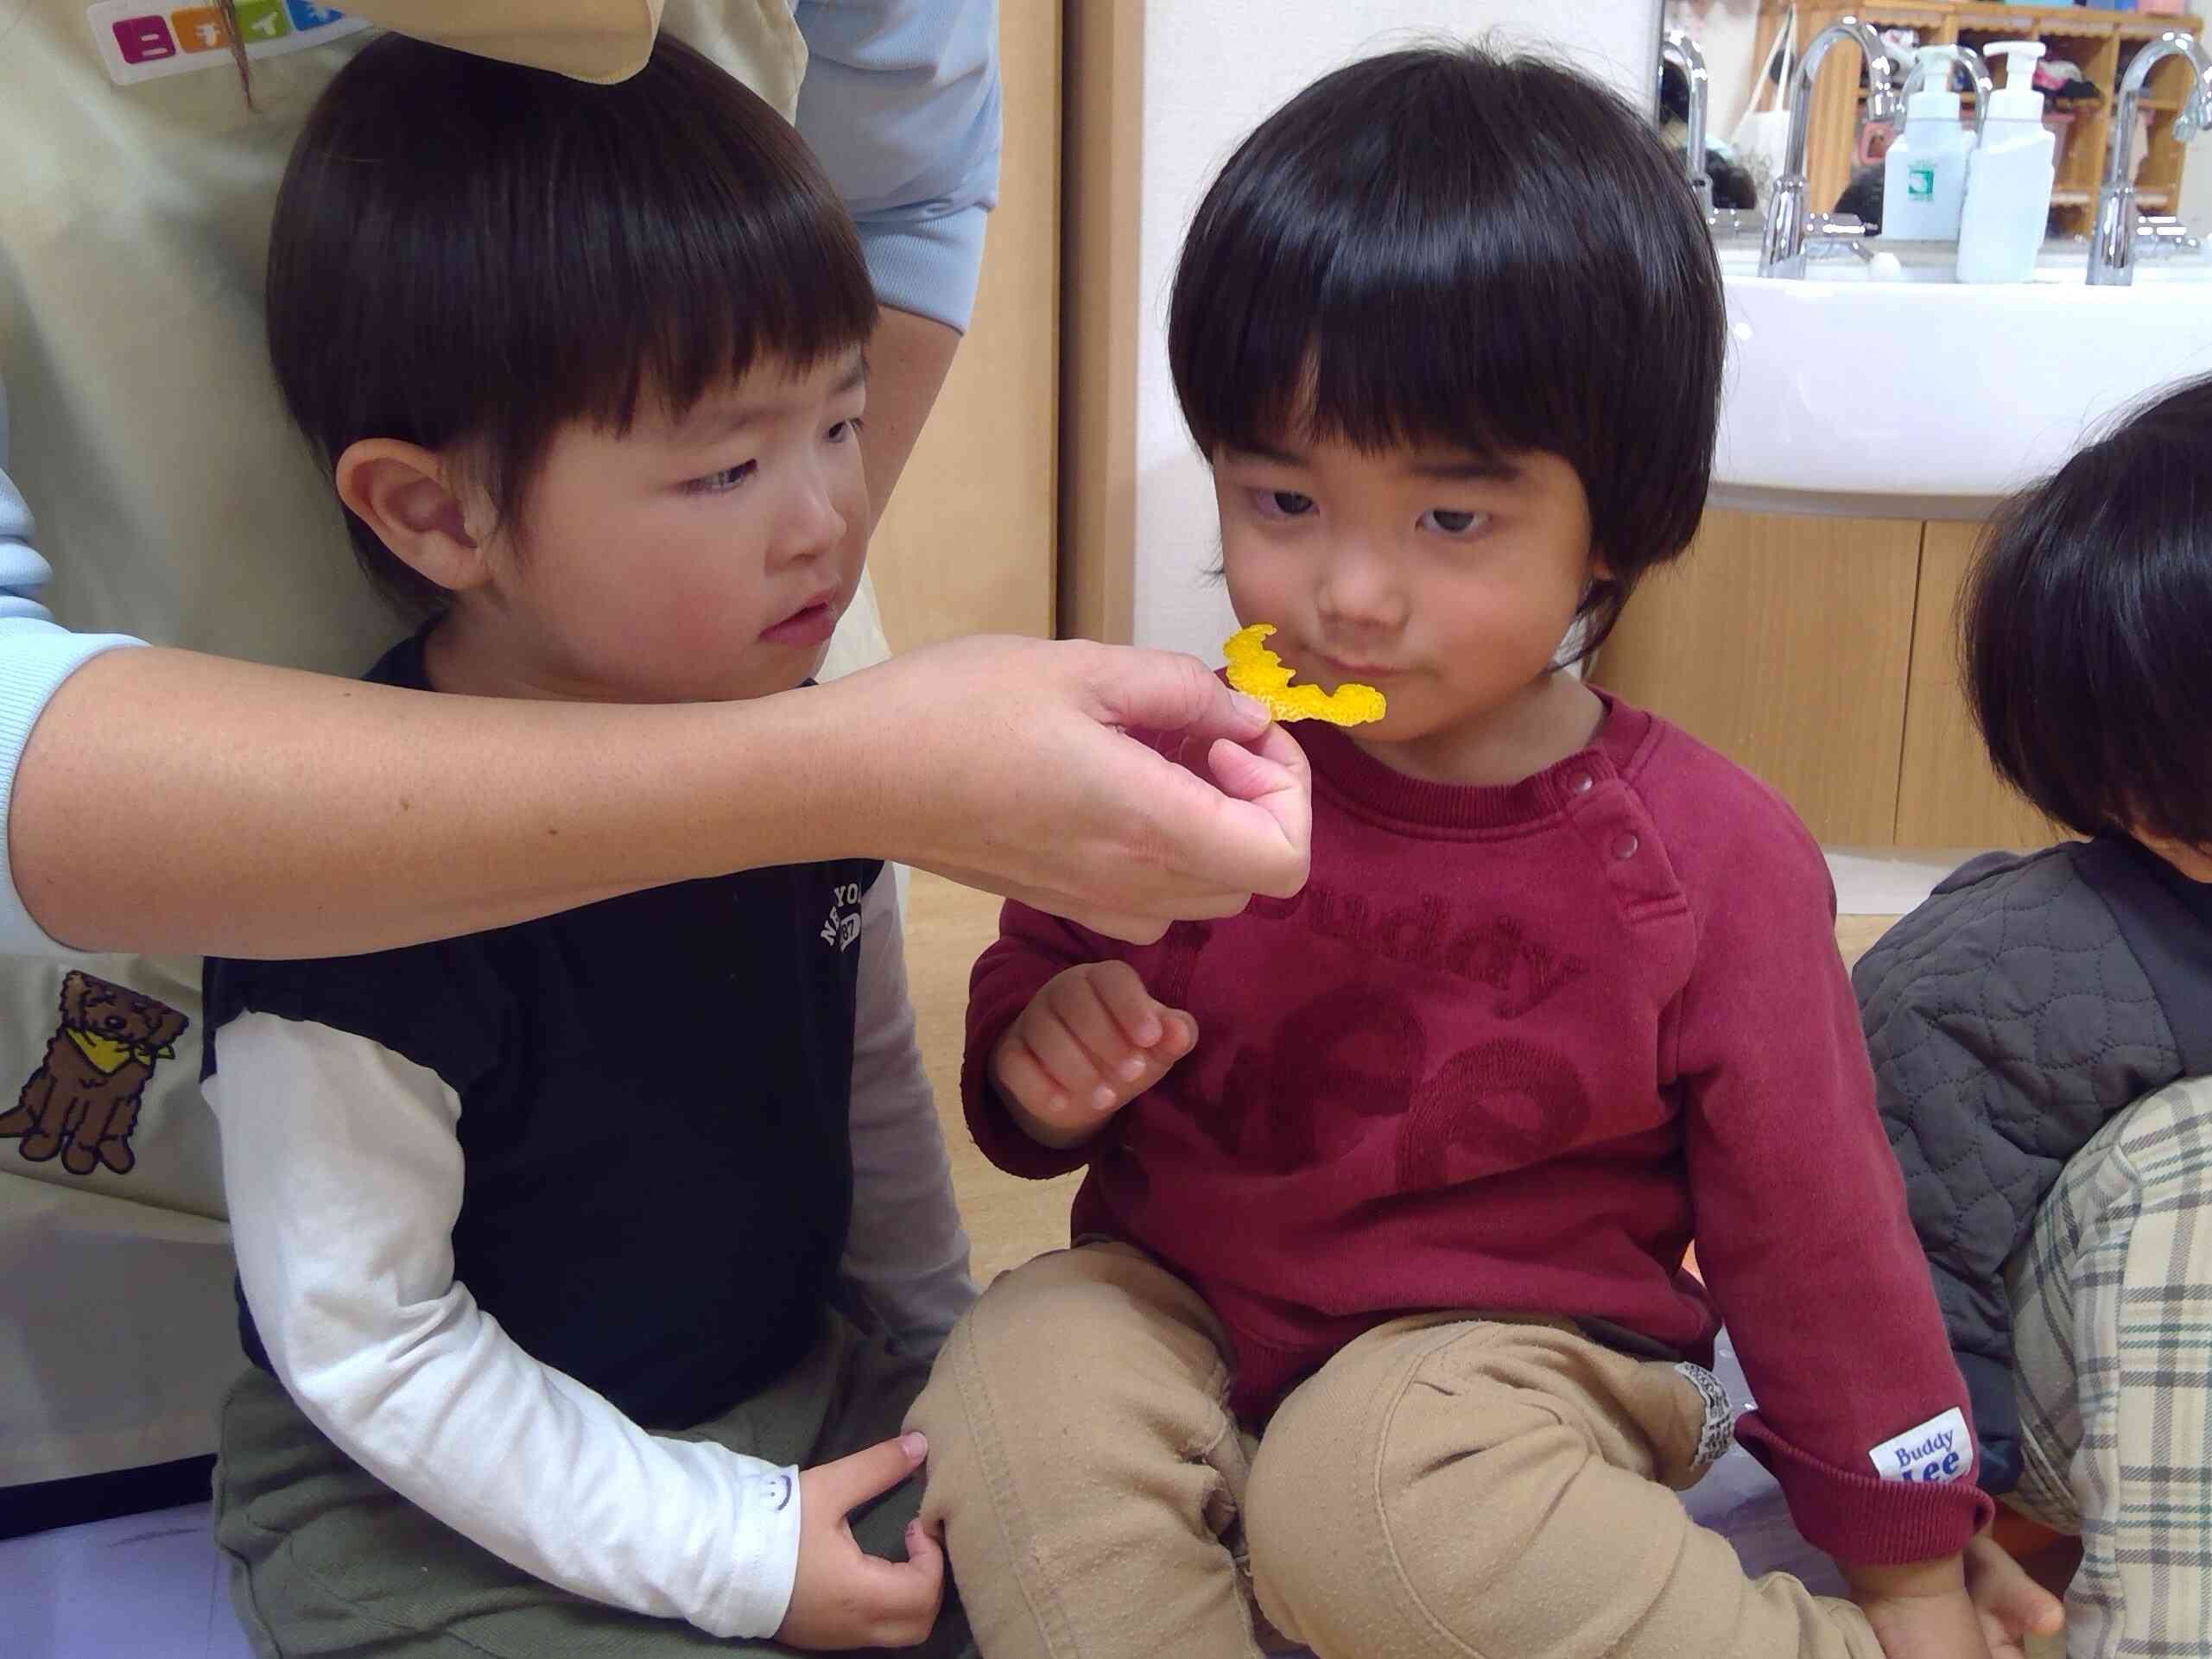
<point>2008,177</point>
<point>1924,172</point>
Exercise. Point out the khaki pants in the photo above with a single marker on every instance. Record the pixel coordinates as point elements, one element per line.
<point>326,1560</point>
<point>1444,1486</point>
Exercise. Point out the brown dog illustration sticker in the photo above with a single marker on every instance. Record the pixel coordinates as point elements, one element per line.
<point>82,1102</point>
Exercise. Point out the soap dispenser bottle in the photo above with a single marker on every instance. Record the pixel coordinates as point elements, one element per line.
<point>1924,172</point>
<point>2008,177</point>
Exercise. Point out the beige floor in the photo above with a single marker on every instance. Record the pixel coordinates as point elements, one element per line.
<point>1008,1220</point>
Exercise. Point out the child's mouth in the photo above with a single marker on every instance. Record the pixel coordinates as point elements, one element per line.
<point>809,625</point>
<point>1340,670</point>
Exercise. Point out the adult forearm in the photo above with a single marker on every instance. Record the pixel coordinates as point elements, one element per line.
<point>907,359</point>
<point>168,800</point>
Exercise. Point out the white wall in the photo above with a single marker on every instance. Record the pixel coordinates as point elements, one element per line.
<point>1214,69</point>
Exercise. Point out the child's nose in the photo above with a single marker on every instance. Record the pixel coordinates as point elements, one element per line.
<point>1358,591</point>
<point>812,523</point>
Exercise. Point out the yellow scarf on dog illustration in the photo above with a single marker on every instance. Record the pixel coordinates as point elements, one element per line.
<point>109,1054</point>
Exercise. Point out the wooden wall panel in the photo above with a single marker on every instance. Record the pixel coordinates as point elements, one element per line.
<point>1784,644</point>
<point>1100,317</point>
<point>1948,795</point>
<point>968,543</point>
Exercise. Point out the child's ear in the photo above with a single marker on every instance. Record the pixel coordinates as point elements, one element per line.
<point>1600,567</point>
<point>409,496</point>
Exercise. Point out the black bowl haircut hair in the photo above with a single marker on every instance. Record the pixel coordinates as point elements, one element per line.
<point>1449,247</point>
<point>467,255</point>
<point>2085,629</point>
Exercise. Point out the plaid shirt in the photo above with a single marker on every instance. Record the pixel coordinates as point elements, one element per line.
<point>2112,1308</point>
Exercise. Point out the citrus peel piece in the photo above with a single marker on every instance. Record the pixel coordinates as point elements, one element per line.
<point>1258,673</point>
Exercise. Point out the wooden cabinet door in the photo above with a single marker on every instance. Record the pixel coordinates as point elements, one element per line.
<point>1948,795</point>
<point>1785,643</point>
<point>966,545</point>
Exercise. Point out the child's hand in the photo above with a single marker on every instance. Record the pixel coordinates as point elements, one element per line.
<point>1922,1611</point>
<point>1090,1042</point>
<point>2013,1606</point>
<point>843,1597</point>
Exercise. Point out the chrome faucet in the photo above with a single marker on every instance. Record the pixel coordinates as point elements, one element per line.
<point>2112,243</point>
<point>1680,50</point>
<point>1782,252</point>
<point>1977,70</point>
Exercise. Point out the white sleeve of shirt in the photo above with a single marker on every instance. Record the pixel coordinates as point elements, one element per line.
<point>344,1176</point>
<point>907,1253</point>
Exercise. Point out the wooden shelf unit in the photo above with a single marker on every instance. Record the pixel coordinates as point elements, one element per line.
<point>2102,42</point>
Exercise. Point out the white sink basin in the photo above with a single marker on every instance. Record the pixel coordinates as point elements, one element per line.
<point>1919,397</point>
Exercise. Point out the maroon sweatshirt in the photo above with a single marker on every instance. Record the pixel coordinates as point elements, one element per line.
<point>1509,1049</point>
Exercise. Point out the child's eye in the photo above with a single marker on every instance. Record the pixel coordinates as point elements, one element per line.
<point>729,477</point>
<point>1282,504</point>
<point>844,430</point>
<point>1451,521</point>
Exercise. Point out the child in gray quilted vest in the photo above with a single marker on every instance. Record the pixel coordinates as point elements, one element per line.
<point>2018,1017</point>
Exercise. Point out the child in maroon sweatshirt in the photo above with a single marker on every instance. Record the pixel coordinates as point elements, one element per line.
<point>1377,1314</point>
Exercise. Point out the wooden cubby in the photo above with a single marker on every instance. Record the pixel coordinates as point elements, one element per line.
<point>2102,42</point>
<point>1821,654</point>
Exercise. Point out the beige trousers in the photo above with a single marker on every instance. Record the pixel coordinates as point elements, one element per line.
<point>1444,1486</point>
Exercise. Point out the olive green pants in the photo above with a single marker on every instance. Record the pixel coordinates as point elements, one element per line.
<point>326,1560</point>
